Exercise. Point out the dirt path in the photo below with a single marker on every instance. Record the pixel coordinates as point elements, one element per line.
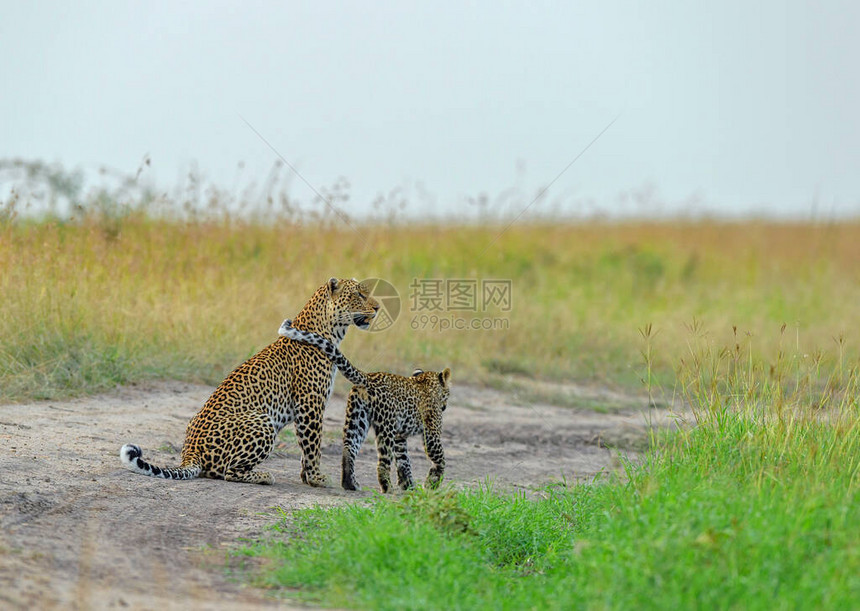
<point>78,531</point>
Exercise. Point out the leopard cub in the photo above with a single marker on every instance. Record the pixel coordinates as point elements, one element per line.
<point>396,406</point>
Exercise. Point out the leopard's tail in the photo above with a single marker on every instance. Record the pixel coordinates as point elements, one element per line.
<point>131,456</point>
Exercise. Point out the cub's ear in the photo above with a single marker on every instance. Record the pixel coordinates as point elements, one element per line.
<point>445,377</point>
<point>417,372</point>
<point>333,284</point>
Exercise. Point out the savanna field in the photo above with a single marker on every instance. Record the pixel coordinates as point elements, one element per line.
<point>750,328</point>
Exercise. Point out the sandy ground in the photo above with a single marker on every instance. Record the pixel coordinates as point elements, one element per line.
<point>77,531</point>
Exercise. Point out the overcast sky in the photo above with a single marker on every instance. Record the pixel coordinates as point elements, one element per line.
<point>736,106</point>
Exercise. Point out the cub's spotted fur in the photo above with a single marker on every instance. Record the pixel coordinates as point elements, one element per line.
<point>396,406</point>
<point>285,382</point>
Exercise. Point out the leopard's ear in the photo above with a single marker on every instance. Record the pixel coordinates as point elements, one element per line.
<point>445,376</point>
<point>333,284</point>
<point>417,372</point>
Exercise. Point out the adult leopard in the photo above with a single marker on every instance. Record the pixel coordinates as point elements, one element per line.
<point>285,382</point>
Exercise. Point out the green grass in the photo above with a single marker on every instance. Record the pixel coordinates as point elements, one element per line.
<point>753,503</point>
<point>735,513</point>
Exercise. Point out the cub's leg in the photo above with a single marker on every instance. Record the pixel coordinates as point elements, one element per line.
<point>433,449</point>
<point>384,447</point>
<point>404,467</point>
<point>354,433</point>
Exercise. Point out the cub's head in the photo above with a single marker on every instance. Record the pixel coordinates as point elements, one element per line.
<point>349,303</point>
<point>436,384</point>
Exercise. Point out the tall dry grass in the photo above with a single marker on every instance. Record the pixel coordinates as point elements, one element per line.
<point>108,298</point>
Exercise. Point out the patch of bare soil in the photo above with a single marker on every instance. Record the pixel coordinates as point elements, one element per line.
<point>77,531</point>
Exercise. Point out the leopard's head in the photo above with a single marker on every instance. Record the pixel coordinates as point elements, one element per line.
<point>350,303</point>
<point>335,306</point>
<point>437,386</point>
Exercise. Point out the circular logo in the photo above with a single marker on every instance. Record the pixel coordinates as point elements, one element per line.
<point>389,303</point>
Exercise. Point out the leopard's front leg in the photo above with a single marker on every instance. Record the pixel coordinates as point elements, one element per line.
<point>384,449</point>
<point>433,448</point>
<point>404,467</point>
<point>355,429</point>
<point>309,435</point>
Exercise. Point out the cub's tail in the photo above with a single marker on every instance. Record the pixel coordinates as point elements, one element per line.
<point>347,369</point>
<point>131,456</point>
